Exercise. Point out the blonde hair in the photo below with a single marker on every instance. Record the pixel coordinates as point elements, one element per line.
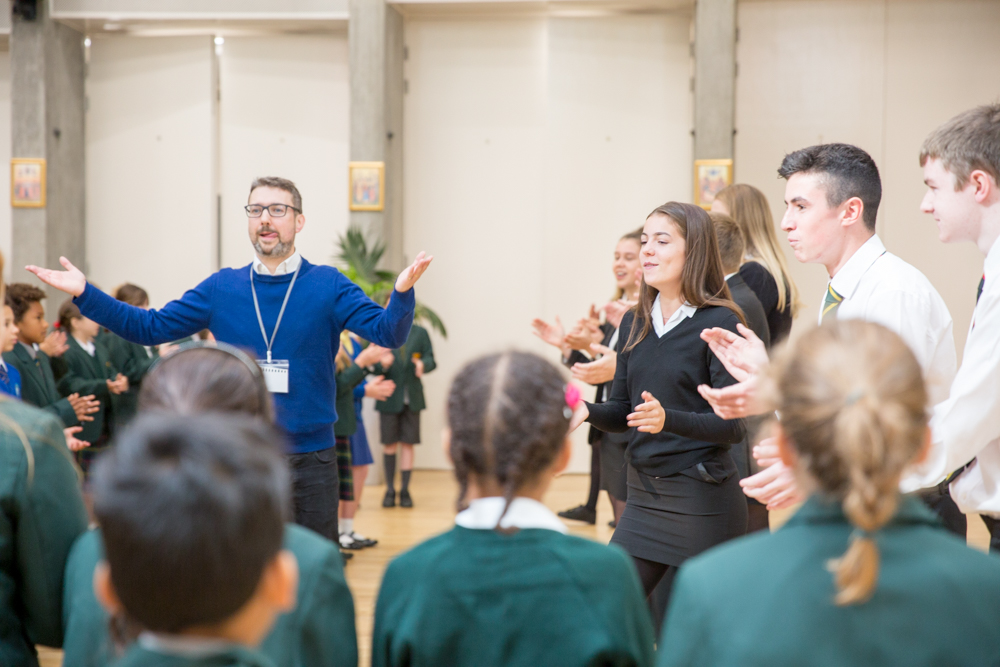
<point>853,406</point>
<point>749,208</point>
<point>967,142</point>
<point>343,359</point>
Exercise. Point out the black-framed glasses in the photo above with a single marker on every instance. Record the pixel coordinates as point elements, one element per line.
<point>274,210</point>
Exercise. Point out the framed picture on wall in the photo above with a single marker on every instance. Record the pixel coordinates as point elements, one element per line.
<point>366,185</point>
<point>710,176</point>
<point>27,183</point>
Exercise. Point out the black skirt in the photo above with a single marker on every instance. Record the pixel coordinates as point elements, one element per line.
<point>670,519</point>
<point>614,469</point>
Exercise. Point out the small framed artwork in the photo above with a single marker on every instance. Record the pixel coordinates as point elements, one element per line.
<point>710,176</point>
<point>366,185</point>
<point>27,183</point>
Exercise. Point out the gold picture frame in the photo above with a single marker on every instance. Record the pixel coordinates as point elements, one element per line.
<point>27,183</point>
<point>711,176</point>
<point>366,186</point>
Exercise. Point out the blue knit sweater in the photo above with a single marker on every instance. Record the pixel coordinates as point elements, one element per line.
<point>322,304</point>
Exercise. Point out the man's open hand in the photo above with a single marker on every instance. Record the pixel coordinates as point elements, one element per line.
<point>410,275</point>
<point>72,281</point>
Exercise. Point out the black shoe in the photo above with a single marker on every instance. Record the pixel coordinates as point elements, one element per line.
<point>348,542</point>
<point>404,499</point>
<point>346,556</point>
<point>581,513</point>
<point>362,540</point>
<point>612,524</point>
<point>390,499</point>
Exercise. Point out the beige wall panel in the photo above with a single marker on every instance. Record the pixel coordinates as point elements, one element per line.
<point>943,58</point>
<point>5,148</point>
<point>809,72</point>
<point>531,146</point>
<point>284,112</point>
<point>150,206</point>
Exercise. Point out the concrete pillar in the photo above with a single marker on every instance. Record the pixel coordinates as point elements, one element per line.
<point>375,37</point>
<point>47,121</point>
<point>714,78</point>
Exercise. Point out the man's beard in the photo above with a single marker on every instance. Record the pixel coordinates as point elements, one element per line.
<point>280,248</point>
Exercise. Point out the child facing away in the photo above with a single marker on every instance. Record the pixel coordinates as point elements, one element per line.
<point>320,630</point>
<point>507,585</point>
<point>192,513</point>
<point>860,575</point>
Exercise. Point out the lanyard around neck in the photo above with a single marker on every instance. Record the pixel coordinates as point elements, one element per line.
<point>281,312</point>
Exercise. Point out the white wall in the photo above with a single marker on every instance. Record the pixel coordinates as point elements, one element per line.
<point>5,156</point>
<point>284,112</point>
<point>531,145</point>
<point>150,202</point>
<point>878,74</point>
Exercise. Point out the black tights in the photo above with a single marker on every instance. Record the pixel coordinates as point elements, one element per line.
<point>657,582</point>
<point>595,476</point>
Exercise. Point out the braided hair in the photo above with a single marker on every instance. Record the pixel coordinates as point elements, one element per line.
<point>508,418</point>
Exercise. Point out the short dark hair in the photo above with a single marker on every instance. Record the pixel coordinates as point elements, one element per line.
<point>131,294</point>
<point>732,243</point>
<point>217,378</point>
<point>848,171</point>
<point>192,510</point>
<point>280,184</point>
<point>20,296</point>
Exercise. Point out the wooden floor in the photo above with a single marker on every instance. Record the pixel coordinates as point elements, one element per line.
<point>434,494</point>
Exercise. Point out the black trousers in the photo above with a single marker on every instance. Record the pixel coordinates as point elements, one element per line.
<point>993,525</point>
<point>939,500</point>
<point>316,491</point>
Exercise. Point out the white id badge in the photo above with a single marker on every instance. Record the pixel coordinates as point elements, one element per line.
<point>275,375</point>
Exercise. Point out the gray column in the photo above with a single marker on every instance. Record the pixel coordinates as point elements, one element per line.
<point>714,78</point>
<point>375,37</point>
<point>47,121</point>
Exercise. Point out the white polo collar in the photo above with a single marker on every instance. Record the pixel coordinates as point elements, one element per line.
<point>482,514</point>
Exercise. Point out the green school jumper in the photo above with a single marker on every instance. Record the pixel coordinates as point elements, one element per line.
<point>404,373</point>
<point>86,375</point>
<point>41,513</point>
<point>767,599</point>
<point>535,598</point>
<point>319,632</point>
<point>38,384</point>
<point>132,361</point>
<point>347,380</point>
<point>237,656</point>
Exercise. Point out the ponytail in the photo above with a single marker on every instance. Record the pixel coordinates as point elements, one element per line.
<point>853,405</point>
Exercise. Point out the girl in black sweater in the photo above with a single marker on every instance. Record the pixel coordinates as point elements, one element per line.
<point>683,487</point>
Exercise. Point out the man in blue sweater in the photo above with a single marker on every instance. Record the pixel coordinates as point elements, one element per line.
<point>291,314</point>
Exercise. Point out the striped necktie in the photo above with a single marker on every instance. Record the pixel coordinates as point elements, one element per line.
<point>979,292</point>
<point>831,303</point>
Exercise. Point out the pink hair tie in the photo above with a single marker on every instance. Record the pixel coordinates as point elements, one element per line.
<point>572,398</point>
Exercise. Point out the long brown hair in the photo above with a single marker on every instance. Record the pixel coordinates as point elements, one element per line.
<point>703,281</point>
<point>749,208</point>
<point>634,235</point>
<point>853,406</point>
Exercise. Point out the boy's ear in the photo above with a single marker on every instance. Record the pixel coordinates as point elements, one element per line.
<point>105,591</point>
<point>280,582</point>
<point>446,444</point>
<point>562,462</point>
<point>984,185</point>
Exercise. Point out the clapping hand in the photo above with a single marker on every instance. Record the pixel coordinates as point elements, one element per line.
<point>119,385</point>
<point>553,334</point>
<point>72,281</point>
<point>584,335</point>
<point>615,310</point>
<point>371,355</point>
<point>735,401</point>
<point>54,344</point>
<point>418,366</point>
<point>775,485</point>
<point>84,406</point>
<point>72,442</point>
<point>411,274</point>
<point>742,357</point>
<point>648,417</point>
<point>600,371</point>
<point>379,388</point>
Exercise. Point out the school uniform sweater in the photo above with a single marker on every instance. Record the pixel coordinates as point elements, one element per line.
<point>41,514</point>
<point>537,597</point>
<point>322,304</point>
<point>404,373</point>
<point>132,361</point>
<point>237,656</point>
<point>347,380</point>
<point>670,368</point>
<point>12,387</point>
<point>38,383</point>
<point>320,631</point>
<point>767,599</point>
<point>88,375</point>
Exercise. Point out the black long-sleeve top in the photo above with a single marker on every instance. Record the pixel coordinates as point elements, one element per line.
<point>577,357</point>
<point>764,285</point>
<point>671,368</point>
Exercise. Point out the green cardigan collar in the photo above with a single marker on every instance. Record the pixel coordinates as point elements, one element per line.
<point>817,510</point>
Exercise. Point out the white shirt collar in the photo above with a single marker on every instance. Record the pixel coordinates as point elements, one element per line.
<point>182,645</point>
<point>286,267</point>
<point>87,347</point>
<point>730,275</point>
<point>681,314</point>
<point>847,279</point>
<point>991,267</point>
<point>483,513</point>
